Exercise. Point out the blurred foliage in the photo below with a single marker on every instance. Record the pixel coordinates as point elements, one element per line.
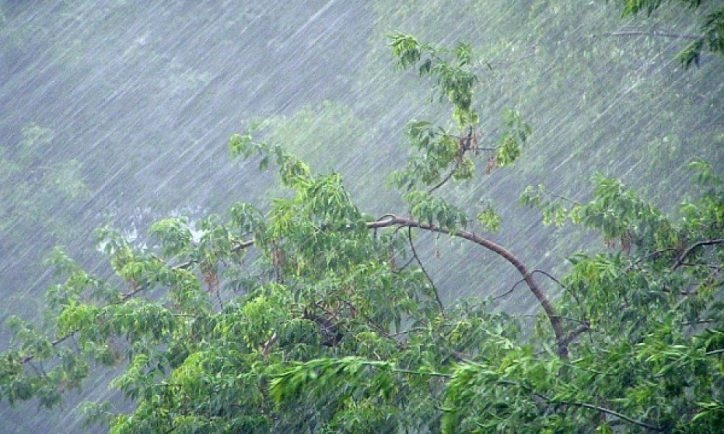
<point>40,199</point>
<point>315,317</point>
<point>711,31</point>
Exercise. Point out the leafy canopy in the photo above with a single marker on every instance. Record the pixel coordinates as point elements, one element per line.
<point>315,316</point>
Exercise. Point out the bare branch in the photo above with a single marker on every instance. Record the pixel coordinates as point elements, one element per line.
<point>550,276</point>
<point>654,33</point>
<point>510,291</point>
<point>687,252</point>
<point>422,267</point>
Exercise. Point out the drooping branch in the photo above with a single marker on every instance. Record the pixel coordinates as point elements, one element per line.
<point>419,262</point>
<point>527,276</point>
<point>391,220</point>
<point>545,273</point>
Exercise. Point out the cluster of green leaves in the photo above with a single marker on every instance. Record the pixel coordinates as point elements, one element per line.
<point>313,316</point>
<point>440,154</point>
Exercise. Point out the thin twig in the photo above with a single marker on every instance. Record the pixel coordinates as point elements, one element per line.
<point>550,276</point>
<point>563,198</point>
<point>425,373</point>
<point>406,264</point>
<point>584,405</point>
<point>653,255</point>
<point>573,294</point>
<point>422,267</point>
<point>564,318</point>
<point>508,292</point>
<point>612,413</point>
<point>446,179</point>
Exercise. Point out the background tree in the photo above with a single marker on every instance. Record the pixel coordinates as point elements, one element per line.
<point>34,192</point>
<point>711,31</point>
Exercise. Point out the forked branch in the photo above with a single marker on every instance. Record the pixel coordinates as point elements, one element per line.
<point>527,276</point>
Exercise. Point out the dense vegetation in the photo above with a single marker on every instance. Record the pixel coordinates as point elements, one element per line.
<point>302,312</point>
<point>316,316</point>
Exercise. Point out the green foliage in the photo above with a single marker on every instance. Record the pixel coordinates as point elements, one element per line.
<point>489,219</point>
<point>455,78</point>
<point>514,138</point>
<point>440,154</point>
<point>332,323</point>
<point>435,211</point>
<point>174,234</point>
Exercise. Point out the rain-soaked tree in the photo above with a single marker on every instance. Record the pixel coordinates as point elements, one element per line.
<point>307,314</point>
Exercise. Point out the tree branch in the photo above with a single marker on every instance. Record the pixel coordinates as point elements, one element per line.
<point>654,33</point>
<point>584,327</point>
<point>687,252</point>
<point>550,312</point>
<point>572,293</point>
<point>444,180</point>
<point>508,292</point>
<point>241,245</point>
<point>584,405</point>
<point>612,413</point>
<point>419,262</point>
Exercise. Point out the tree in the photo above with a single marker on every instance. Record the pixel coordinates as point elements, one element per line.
<point>34,189</point>
<point>711,35</point>
<point>314,316</point>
